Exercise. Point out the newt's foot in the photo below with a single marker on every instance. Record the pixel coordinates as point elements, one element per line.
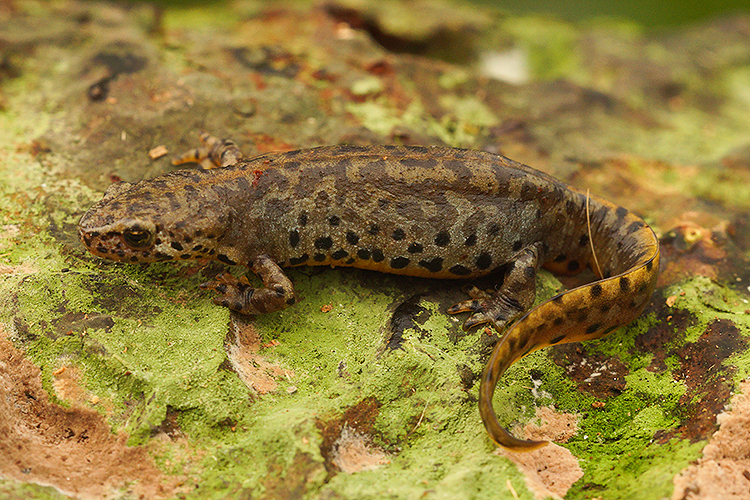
<point>213,153</point>
<point>233,293</point>
<point>238,295</point>
<point>497,309</point>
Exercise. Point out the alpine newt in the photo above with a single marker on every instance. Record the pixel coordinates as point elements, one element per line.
<point>420,211</point>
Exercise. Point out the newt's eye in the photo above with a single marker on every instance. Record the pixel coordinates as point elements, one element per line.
<point>137,238</point>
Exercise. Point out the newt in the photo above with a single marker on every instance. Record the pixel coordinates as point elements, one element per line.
<point>434,212</point>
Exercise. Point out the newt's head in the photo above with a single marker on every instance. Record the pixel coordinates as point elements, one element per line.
<point>167,218</point>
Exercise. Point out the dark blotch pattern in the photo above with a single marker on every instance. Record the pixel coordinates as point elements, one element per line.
<point>294,239</point>
<point>295,261</point>
<point>363,254</point>
<point>399,262</point>
<point>596,290</point>
<point>323,243</point>
<point>433,265</point>
<point>459,270</point>
<point>593,328</point>
<point>484,261</point>
<point>442,239</point>
<point>398,234</point>
<point>352,238</point>
<point>226,260</point>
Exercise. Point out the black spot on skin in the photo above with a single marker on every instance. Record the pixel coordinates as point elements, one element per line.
<point>484,261</point>
<point>529,272</point>
<point>635,226</point>
<point>561,258</point>
<point>302,220</point>
<point>185,256</point>
<point>624,284</point>
<point>226,260</point>
<point>295,261</point>
<point>517,245</point>
<point>399,262</point>
<point>163,256</point>
<point>433,265</point>
<point>323,243</point>
<point>610,329</point>
<point>398,234</point>
<point>574,266</point>
<point>294,239</point>
<point>493,229</point>
<point>363,254</point>
<point>442,238</point>
<point>319,257</point>
<point>350,262</point>
<point>198,248</point>
<point>593,328</point>
<point>176,246</point>
<point>621,212</point>
<point>596,290</point>
<point>649,265</point>
<point>583,240</point>
<point>340,254</point>
<point>459,270</point>
<point>558,321</point>
<point>352,238</point>
<point>415,248</point>
<point>334,220</point>
<point>102,249</point>
<point>290,301</point>
<point>373,229</point>
<point>557,340</point>
<point>471,240</point>
<point>211,252</point>
<point>134,258</point>
<point>377,255</point>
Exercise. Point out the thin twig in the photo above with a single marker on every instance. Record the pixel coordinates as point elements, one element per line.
<point>591,239</point>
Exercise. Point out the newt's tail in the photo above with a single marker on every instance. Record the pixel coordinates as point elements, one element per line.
<point>584,313</point>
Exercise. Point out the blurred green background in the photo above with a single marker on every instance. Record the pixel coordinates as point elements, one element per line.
<point>650,13</point>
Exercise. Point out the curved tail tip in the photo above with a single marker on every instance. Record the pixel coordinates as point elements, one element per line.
<point>510,443</point>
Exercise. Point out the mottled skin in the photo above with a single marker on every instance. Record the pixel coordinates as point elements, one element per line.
<point>418,211</point>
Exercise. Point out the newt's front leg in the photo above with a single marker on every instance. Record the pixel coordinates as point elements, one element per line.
<point>238,295</point>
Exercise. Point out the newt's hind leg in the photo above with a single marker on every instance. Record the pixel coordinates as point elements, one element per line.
<point>512,299</point>
<point>213,153</point>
